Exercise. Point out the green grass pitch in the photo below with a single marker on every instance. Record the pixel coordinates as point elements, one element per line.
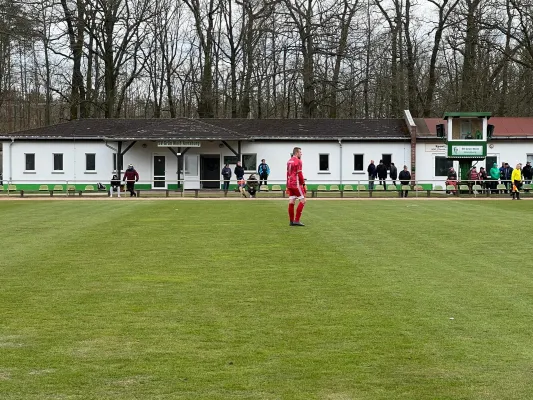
<point>223,300</point>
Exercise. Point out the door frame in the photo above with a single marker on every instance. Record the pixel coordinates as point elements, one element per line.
<point>207,155</point>
<point>152,164</point>
<point>195,183</point>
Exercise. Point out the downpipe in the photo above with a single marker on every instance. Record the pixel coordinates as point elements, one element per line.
<point>11,160</point>
<point>340,161</point>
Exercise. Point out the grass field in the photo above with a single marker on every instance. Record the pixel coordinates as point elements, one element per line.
<point>223,300</point>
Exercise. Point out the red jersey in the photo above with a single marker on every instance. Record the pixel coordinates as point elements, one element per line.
<point>295,178</point>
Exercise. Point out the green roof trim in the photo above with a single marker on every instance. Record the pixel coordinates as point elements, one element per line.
<point>467,115</point>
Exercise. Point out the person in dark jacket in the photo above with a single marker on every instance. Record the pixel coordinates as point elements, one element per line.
<point>484,178</point>
<point>527,173</point>
<point>405,180</point>
<point>115,186</point>
<point>393,173</point>
<point>381,171</point>
<point>226,173</point>
<point>371,174</point>
<point>252,185</point>
<point>264,172</point>
<point>505,176</point>
<point>130,177</point>
<point>239,174</point>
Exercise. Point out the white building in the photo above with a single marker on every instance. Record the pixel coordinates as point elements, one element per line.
<point>169,152</point>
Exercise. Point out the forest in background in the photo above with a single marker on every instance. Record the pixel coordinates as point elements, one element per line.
<point>67,59</point>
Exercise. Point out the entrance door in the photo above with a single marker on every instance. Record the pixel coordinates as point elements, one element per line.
<point>159,172</point>
<point>490,160</point>
<point>191,177</point>
<point>210,171</point>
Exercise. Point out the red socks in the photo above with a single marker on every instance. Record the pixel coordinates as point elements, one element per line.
<point>291,212</point>
<point>299,211</point>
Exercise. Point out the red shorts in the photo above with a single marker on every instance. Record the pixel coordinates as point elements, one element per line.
<point>296,192</point>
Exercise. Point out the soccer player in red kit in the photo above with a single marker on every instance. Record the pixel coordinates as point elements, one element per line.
<point>295,186</point>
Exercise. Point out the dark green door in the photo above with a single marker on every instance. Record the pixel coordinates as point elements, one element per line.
<point>159,172</point>
<point>489,161</point>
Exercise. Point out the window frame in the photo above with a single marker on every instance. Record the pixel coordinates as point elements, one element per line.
<point>320,170</point>
<point>362,170</point>
<point>435,157</point>
<point>87,170</point>
<point>54,162</point>
<point>26,162</point>
<point>244,165</point>
<point>231,160</point>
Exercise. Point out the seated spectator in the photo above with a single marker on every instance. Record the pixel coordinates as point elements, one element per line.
<point>452,180</point>
<point>115,186</point>
<point>252,185</point>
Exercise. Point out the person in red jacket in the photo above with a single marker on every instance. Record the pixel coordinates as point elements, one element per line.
<point>295,186</point>
<point>130,177</point>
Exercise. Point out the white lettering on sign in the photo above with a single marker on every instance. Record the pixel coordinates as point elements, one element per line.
<point>467,150</point>
<point>435,148</point>
<point>178,143</point>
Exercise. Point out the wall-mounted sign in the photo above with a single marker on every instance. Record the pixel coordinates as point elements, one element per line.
<point>435,148</point>
<point>179,143</point>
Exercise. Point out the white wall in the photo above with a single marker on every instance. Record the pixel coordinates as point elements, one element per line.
<point>141,156</point>
<point>277,154</point>
<point>73,161</point>
<point>512,152</point>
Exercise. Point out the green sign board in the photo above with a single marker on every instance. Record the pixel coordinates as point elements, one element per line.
<point>467,149</point>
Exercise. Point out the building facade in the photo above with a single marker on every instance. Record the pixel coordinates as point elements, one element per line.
<point>171,153</point>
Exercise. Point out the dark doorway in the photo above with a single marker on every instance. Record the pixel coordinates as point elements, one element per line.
<point>159,172</point>
<point>210,171</point>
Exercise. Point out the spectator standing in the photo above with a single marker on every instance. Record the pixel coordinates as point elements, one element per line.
<point>494,176</point>
<point>405,180</point>
<point>264,172</point>
<point>381,171</point>
<point>527,173</point>
<point>226,173</point>
<point>505,175</point>
<point>516,180</point>
<point>239,174</point>
<point>115,186</point>
<point>473,177</point>
<point>393,173</point>
<point>483,177</point>
<point>371,174</point>
<point>130,177</point>
<point>508,173</point>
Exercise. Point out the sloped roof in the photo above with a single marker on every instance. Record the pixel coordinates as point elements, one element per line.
<point>316,129</point>
<point>221,129</point>
<point>504,127</point>
<point>130,129</point>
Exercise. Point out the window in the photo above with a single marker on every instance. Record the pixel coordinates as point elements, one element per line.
<point>442,166</point>
<point>114,161</point>
<point>387,159</point>
<point>90,162</point>
<point>358,161</point>
<point>466,129</point>
<point>529,158</point>
<point>323,162</point>
<point>58,162</point>
<point>230,160</point>
<point>30,162</point>
<point>249,162</point>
